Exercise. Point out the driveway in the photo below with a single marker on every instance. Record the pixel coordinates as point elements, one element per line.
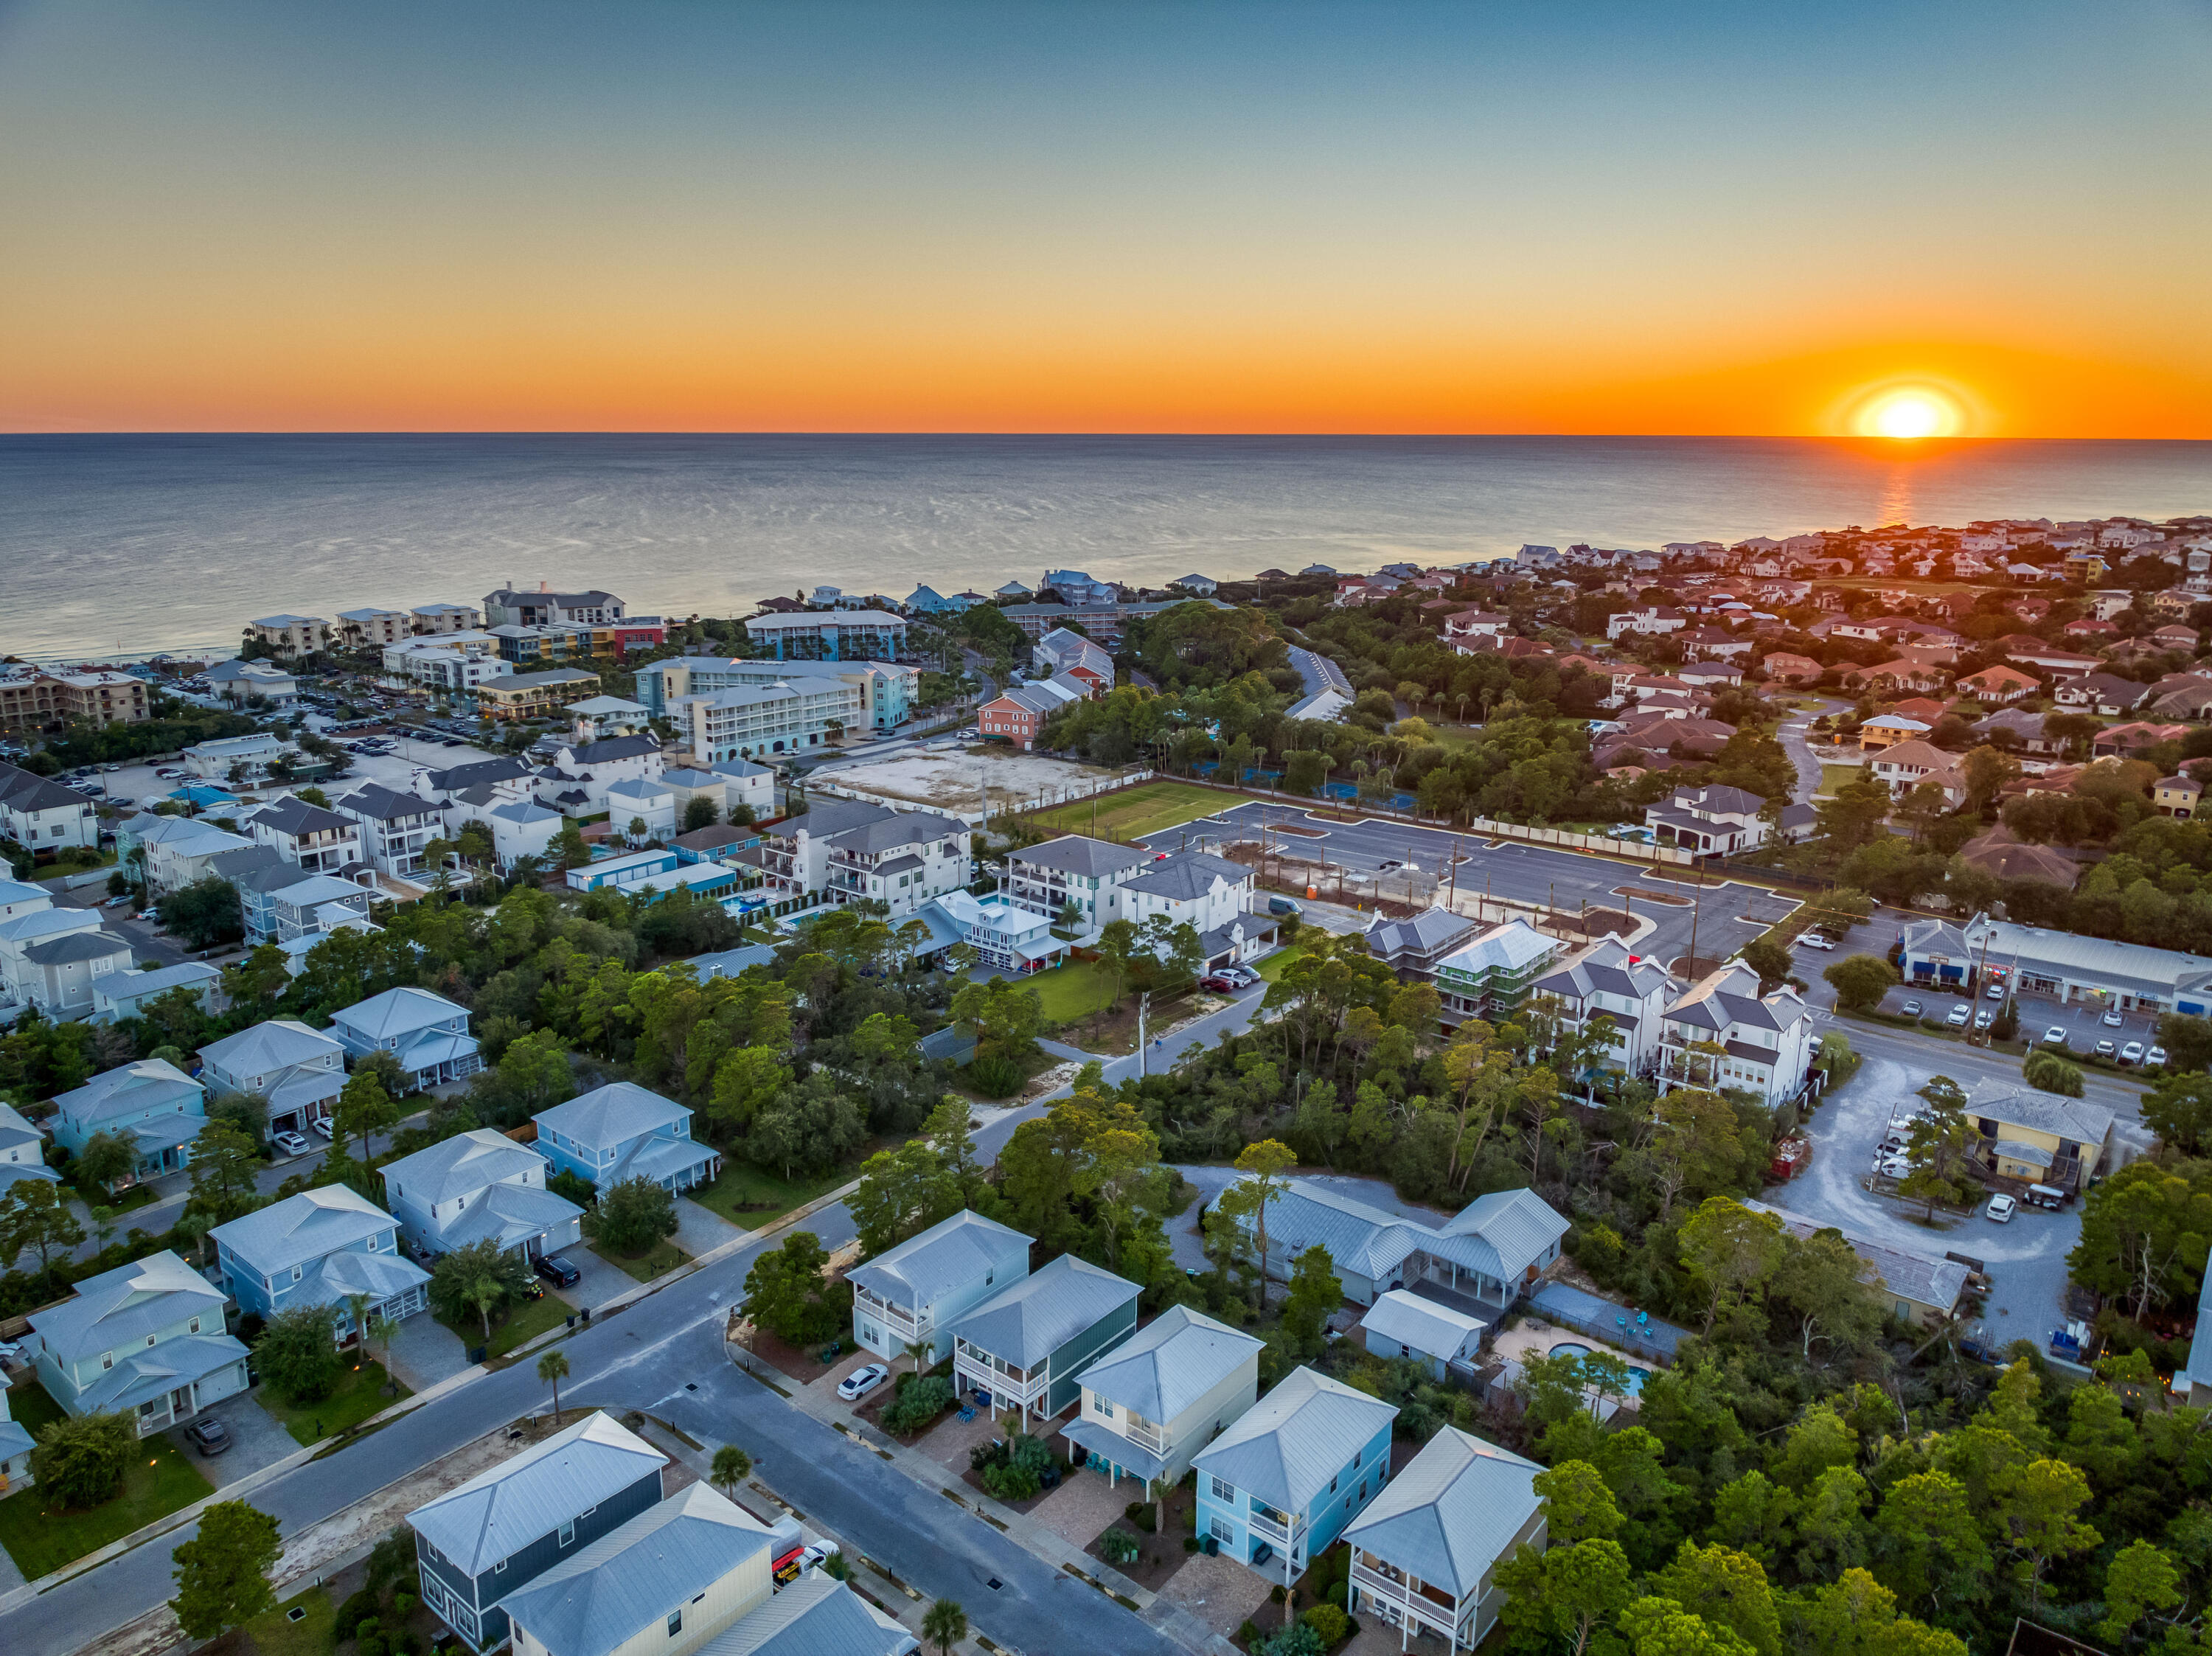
<point>597,1282</point>
<point>2026,1258</point>
<point>425,1351</point>
<point>701,1230</point>
<point>257,1439</point>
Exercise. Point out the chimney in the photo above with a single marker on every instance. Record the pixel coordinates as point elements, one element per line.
<point>543,586</point>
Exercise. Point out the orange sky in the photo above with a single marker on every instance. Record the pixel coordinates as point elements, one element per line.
<point>680,218</point>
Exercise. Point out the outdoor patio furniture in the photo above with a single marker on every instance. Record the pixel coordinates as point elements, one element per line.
<point>967,1411</point>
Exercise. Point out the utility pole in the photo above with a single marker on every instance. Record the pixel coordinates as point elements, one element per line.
<point>1697,905</point>
<point>1144,1007</point>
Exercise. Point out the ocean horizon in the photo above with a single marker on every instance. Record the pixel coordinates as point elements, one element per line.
<point>126,544</point>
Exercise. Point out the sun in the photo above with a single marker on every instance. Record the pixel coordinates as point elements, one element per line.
<point>1909,414</point>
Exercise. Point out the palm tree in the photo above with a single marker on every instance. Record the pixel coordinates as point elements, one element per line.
<point>357,1309</point>
<point>382,1332</point>
<point>553,1368</point>
<point>917,1350</point>
<point>944,1624</point>
<point>731,1467</point>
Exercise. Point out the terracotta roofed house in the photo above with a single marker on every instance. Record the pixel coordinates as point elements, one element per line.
<point>2000,684</point>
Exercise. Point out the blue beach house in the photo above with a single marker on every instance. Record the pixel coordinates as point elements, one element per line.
<point>319,1247</point>
<point>152,1102</point>
<point>620,1131</point>
<point>1276,1489</point>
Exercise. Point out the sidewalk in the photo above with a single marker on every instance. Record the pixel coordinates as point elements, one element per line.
<point>1162,1614</point>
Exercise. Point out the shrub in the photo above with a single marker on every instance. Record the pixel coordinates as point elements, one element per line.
<point>1019,1473</point>
<point>2052,1074</point>
<point>1190,1543</point>
<point>298,1352</point>
<point>1140,1513</point>
<point>360,1607</point>
<point>1118,1546</point>
<point>80,1460</point>
<point>1247,1635</point>
<point>995,1076</point>
<point>1329,1620</point>
<point>917,1404</point>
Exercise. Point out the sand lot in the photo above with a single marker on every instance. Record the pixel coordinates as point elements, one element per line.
<point>950,778</point>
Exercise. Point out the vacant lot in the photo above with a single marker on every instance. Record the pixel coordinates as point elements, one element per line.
<point>954,778</point>
<point>1145,809</point>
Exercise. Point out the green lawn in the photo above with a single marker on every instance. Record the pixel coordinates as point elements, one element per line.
<point>359,1394</point>
<point>277,1634</point>
<point>1453,736</point>
<point>749,1196</point>
<point>665,1257</point>
<point>511,1325</point>
<point>41,1540</point>
<point>1072,991</point>
<point>1145,809</point>
<point>1279,962</point>
<point>1836,776</point>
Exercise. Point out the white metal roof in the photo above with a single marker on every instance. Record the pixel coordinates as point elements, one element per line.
<point>1452,1511</point>
<point>1026,1322</point>
<point>121,1307</point>
<point>1288,1445</point>
<point>611,1115</point>
<point>498,1512</point>
<point>951,1254</point>
<point>459,1166</point>
<point>1425,1325</point>
<point>302,1227</point>
<point>1170,1363</point>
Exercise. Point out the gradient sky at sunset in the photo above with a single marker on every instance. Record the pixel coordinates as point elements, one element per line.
<point>1540,217</point>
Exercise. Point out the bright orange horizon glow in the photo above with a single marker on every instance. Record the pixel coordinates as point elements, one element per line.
<point>1910,415</point>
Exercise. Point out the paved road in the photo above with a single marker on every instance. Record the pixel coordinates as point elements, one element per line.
<point>1721,917</point>
<point>650,1357</point>
<point>1791,733</point>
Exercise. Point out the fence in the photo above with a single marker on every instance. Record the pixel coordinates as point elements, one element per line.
<point>1602,1319</point>
<point>1066,794</point>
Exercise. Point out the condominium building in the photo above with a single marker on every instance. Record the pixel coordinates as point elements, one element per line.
<point>511,606</point>
<point>758,721</point>
<point>290,635</point>
<point>33,698</point>
<point>829,634</point>
<point>886,690</point>
<point>372,630</point>
<point>431,619</point>
<point>449,661</point>
<point>533,695</point>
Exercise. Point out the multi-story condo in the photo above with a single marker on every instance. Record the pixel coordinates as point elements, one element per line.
<point>511,606</point>
<point>1631,993</point>
<point>1152,1402</point>
<point>147,1340</point>
<point>286,636</point>
<point>1724,1034</point>
<point>1425,1554</point>
<point>1277,1489</point>
<point>913,1294</point>
<point>394,827</point>
<point>830,635</point>
<point>758,721</point>
<point>1492,975</point>
<point>33,698</point>
<point>461,662</point>
<point>533,695</point>
<point>883,691</point>
<point>372,630</point>
<point>430,619</point>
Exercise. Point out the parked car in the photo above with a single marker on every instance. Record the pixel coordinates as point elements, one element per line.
<point>1242,976</point>
<point>291,1142</point>
<point>861,1381</point>
<point>820,1553</point>
<point>1983,1019</point>
<point>1219,983</point>
<point>2132,1053</point>
<point>2000,1209</point>
<point>2155,1056</point>
<point>1996,991</point>
<point>2104,1049</point>
<point>2054,1036</point>
<point>209,1436</point>
<point>1911,1009</point>
<point>2113,1020</point>
<point>557,1270</point>
<point>325,1127</point>
<point>1814,940</point>
<point>1959,1016</point>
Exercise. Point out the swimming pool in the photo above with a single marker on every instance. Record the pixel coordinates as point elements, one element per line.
<point>1576,1349</point>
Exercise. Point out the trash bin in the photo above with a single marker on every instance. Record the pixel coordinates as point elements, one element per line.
<point>476,1353</point>
<point>586,1313</point>
<point>572,1320</point>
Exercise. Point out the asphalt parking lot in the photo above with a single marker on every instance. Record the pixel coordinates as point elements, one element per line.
<point>2084,1026</point>
<point>1722,916</point>
<point>135,786</point>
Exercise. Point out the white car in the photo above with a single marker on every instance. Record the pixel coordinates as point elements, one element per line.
<point>1996,991</point>
<point>2104,1049</point>
<point>2155,1056</point>
<point>1814,940</point>
<point>2000,1209</point>
<point>861,1381</point>
<point>1959,1016</point>
<point>2132,1053</point>
<point>1983,1019</point>
<point>2054,1036</point>
<point>323,1126</point>
<point>2113,1020</point>
<point>291,1142</point>
<point>818,1554</point>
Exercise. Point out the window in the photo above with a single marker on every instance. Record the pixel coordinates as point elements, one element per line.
<point>500,1569</point>
<point>298,1271</point>
<point>149,1339</point>
<point>196,1325</point>
<point>1105,1409</point>
<point>375,1242</point>
<point>108,1360</point>
<point>1331,1486</point>
<point>1356,1453</point>
<point>568,1533</point>
<point>1223,1531</point>
<point>1224,1490</point>
<point>675,1622</point>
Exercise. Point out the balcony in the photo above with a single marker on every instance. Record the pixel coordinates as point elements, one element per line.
<point>1142,1433</point>
<point>1280,1530</point>
<point>1389,1583</point>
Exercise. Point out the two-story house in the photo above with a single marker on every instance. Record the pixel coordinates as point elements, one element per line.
<point>150,1101</point>
<point>1023,1348</point>
<point>1154,1401</point>
<point>15,1446</point>
<point>665,1582</point>
<point>427,1032</point>
<point>1412,947</point>
<point>30,927</point>
<point>1206,893</point>
<point>315,907</point>
<point>22,1151</point>
<point>621,1131</point>
<point>900,861</point>
<point>1279,1486</point>
<point>1629,992</point>
<point>1073,870</point>
<point>577,779</point>
<point>1707,820</point>
<point>1721,1033</point>
<point>505,1527</point>
<point>479,1185</point>
<point>319,1247</point>
<point>43,814</point>
<point>320,841</point>
<point>1425,1554</point>
<point>62,975</point>
<point>147,1339</point>
<point>914,1293</point>
<point>301,1072</point>
<point>117,995</point>
<point>394,826</point>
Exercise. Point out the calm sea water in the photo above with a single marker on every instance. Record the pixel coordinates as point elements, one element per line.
<point>131,543</point>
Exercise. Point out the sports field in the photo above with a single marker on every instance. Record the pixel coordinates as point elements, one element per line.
<point>1145,809</point>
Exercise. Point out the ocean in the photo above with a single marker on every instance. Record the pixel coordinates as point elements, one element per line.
<point>127,544</point>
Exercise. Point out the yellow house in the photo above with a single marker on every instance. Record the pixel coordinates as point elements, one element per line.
<point>1919,1288</point>
<point>2040,1138</point>
<point>2177,795</point>
<point>1887,731</point>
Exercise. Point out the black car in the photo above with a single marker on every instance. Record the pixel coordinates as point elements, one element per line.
<point>557,1271</point>
<point>209,1436</point>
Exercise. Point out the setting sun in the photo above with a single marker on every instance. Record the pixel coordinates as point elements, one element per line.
<point>1907,415</point>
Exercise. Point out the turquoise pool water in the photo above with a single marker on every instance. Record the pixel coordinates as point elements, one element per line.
<point>1573,1348</point>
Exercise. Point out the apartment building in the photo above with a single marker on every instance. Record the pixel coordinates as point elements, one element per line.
<point>511,606</point>
<point>288,636</point>
<point>829,634</point>
<point>34,698</point>
<point>758,721</point>
<point>429,620</point>
<point>448,661</point>
<point>372,630</point>
<point>504,696</point>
